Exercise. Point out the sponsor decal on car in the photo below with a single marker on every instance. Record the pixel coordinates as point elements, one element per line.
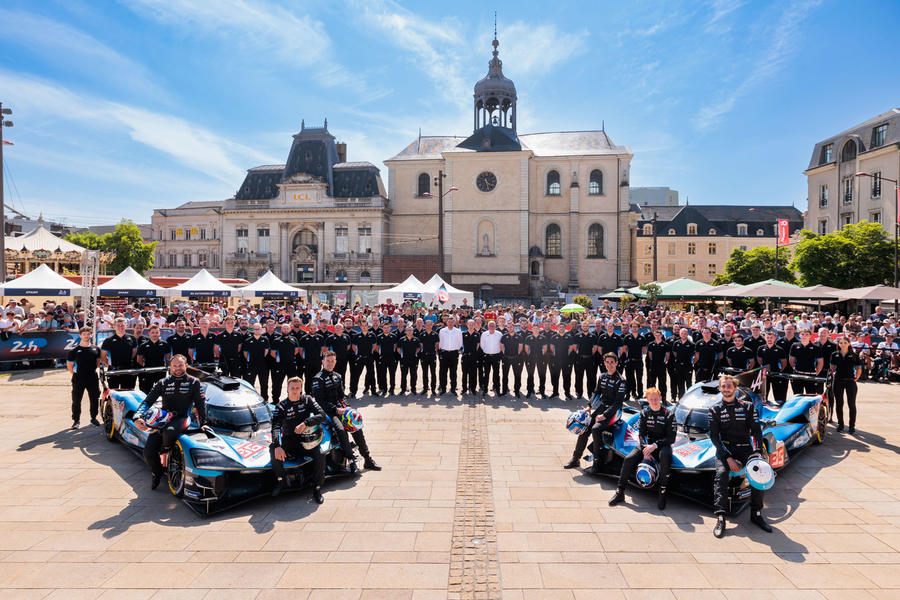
<point>631,436</point>
<point>687,450</point>
<point>248,449</point>
<point>129,437</point>
<point>801,440</point>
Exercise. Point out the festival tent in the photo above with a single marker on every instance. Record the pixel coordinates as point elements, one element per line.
<point>436,285</point>
<point>770,288</point>
<point>674,289</point>
<point>129,283</point>
<point>201,284</point>
<point>713,291</point>
<point>43,281</point>
<point>616,294</point>
<point>872,293</point>
<point>410,288</point>
<point>270,286</point>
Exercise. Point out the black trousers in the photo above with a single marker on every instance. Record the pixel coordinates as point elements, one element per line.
<point>79,387</point>
<point>429,372</point>
<point>469,373</point>
<point>662,455</point>
<point>260,371</point>
<point>634,377</point>
<point>681,381</point>
<point>595,431</point>
<point>121,382</point>
<point>560,370</point>
<point>340,367</point>
<point>514,363</point>
<point>541,367</point>
<point>232,366</point>
<point>492,369</point>
<point>673,380</point>
<point>294,449</point>
<point>344,440</point>
<point>841,387</point>
<point>803,387</point>
<point>162,440</point>
<point>482,368</point>
<point>278,377</point>
<point>408,373</point>
<point>722,477</point>
<point>779,388</point>
<point>656,377</point>
<point>145,382</point>
<point>449,362</point>
<point>704,373</point>
<point>386,371</point>
<point>310,370</point>
<point>585,375</point>
<point>356,369</point>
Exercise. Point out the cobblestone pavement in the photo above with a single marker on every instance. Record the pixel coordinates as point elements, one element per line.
<point>78,518</point>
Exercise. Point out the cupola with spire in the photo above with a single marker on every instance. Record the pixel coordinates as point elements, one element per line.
<point>495,94</point>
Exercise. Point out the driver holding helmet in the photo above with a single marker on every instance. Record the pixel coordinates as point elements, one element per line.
<point>296,423</point>
<point>180,394</point>
<point>736,435</point>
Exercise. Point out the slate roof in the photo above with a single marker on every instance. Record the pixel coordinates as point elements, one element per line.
<point>560,143</point>
<point>723,218</point>
<point>202,204</point>
<point>492,138</point>
<point>428,147</point>
<point>863,134</point>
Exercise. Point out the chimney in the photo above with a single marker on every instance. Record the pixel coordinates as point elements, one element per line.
<point>342,151</point>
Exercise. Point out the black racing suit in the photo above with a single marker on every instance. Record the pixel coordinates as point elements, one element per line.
<point>328,391</point>
<point>610,393</point>
<point>285,419</point>
<point>735,432</point>
<point>656,427</point>
<point>180,395</point>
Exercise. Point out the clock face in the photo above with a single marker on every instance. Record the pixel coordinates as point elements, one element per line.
<point>486,181</point>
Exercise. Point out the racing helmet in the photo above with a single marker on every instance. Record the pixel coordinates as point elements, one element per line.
<point>760,474</point>
<point>647,473</point>
<point>311,437</point>
<point>352,420</point>
<point>578,421</point>
<point>156,417</point>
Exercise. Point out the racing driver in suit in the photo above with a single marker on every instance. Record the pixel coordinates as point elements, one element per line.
<point>735,433</point>
<point>181,393</point>
<point>609,394</point>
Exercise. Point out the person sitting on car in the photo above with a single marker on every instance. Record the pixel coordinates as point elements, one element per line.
<point>290,419</point>
<point>657,434</point>
<point>181,393</point>
<point>609,394</point>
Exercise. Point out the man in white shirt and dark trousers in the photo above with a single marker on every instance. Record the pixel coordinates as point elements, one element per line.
<point>449,344</point>
<point>490,345</point>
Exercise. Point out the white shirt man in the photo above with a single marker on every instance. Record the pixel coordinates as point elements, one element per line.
<point>450,338</point>
<point>490,339</point>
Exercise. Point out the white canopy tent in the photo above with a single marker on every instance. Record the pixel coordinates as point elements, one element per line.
<point>270,286</point>
<point>454,295</point>
<point>43,281</point>
<point>410,288</point>
<point>202,284</point>
<point>129,283</point>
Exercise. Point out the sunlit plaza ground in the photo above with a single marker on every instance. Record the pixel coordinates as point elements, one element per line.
<point>78,518</point>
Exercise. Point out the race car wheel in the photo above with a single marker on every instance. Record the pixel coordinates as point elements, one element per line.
<point>821,422</point>
<point>175,470</point>
<point>109,426</point>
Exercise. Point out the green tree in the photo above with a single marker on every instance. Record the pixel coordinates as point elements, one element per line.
<point>583,301</point>
<point>652,290</point>
<point>88,239</point>
<point>856,256</point>
<point>757,264</point>
<point>125,242</point>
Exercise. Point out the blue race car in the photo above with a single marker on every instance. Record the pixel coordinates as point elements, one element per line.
<point>223,462</point>
<point>787,428</point>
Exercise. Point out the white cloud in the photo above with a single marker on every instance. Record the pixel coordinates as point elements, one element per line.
<point>721,9</point>
<point>538,49</point>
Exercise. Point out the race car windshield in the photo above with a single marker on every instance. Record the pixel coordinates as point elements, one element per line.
<point>692,411</point>
<point>237,418</point>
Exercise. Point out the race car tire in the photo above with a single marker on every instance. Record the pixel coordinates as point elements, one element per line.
<point>175,470</point>
<point>109,425</point>
<point>821,422</point>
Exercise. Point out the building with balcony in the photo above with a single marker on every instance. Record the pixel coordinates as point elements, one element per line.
<point>315,219</point>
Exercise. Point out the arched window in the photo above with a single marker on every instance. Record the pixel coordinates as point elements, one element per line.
<point>672,232</point>
<point>553,187</point>
<point>595,241</point>
<point>340,275</point>
<point>849,151</point>
<point>365,277</point>
<point>241,274</point>
<point>535,268</point>
<point>553,241</point>
<point>424,184</point>
<point>306,239</point>
<point>648,229</point>
<point>712,232</point>
<point>595,188</point>
<point>760,232</point>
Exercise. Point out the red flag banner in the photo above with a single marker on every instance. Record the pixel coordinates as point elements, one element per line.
<point>784,232</point>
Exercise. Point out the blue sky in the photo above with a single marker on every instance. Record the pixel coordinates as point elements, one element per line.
<point>123,107</point>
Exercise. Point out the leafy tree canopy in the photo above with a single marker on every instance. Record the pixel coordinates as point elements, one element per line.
<point>125,242</point>
<point>757,264</point>
<point>856,256</point>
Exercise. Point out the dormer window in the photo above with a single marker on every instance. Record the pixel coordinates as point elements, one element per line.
<point>648,229</point>
<point>760,232</point>
<point>692,229</point>
<point>827,154</point>
<point>712,232</point>
<point>672,232</point>
<point>879,135</point>
<point>742,229</point>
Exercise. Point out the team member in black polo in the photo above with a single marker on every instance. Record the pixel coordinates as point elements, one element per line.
<point>634,361</point>
<point>342,346</point>
<point>82,363</point>
<point>428,358</point>
<point>559,346</point>
<point>363,348</point>
<point>739,356</point>
<point>284,352</point>
<point>534,346</point>
<point>118,352</point>
<point>180,341</point>
<point>826,348</point>
<point>774,360</point>
<point>298,334</point>
<point>608,341</point>
<point>683,363</point>
<point>256,349</point>
<point>706,355</point>
<point>756,340</point>
<point>311,347</point>
<point>203,344</point>
<point>786,343</point>
<point>386,360</point>
<point>657,358</point>
<point>470,340</point>
<point>804,358</point>
<point>585,367</point>
<point>228,349</point>
<point>153,352</point>
<point>409,347</point>
<point>846,366</point>
<point>511,358</point>
<point>271,333</point>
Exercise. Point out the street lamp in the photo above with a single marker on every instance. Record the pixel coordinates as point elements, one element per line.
<point>896,223</point>
<point>439,182</point>
<point>3,123</point>
<point>776,237</point>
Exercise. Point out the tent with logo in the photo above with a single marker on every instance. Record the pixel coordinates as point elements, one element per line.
<point>202,284</point>
<point>408,290</point>
<point>129,284</point>
<point>442,293</point>
<point>270,286</point>
<point>43,281</point>
<point>671,290</point>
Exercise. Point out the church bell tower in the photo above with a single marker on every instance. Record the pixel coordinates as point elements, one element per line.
<point>495,95</point>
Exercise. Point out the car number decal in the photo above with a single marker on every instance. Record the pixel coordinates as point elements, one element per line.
<point>248,449</point>
<point>687,450</point>
<point>776,459</point>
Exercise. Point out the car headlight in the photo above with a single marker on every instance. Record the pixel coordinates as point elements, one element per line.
<point>210,459</point>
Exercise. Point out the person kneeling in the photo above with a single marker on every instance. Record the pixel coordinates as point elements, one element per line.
<point>657,434</point>
<point>290,419</point>
<point>609,394</point>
